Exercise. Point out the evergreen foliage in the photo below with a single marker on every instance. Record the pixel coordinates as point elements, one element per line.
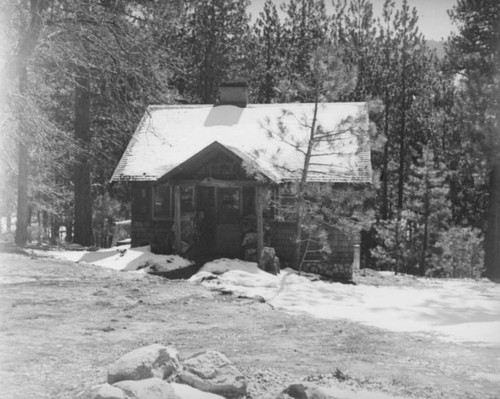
<point>474,55</point>
<point>79,74</point>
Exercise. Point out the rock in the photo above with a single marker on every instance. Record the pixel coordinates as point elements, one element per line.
<point>151,361</point>
<point>304,391</point>
<point>211,371</point>
<point>107,391</point>
<point>187,392</point>
<point>276,265</point>
<point>269,262</point>
<point>151,388</point>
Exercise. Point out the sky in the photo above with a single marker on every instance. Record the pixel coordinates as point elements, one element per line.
<point>434,21</point>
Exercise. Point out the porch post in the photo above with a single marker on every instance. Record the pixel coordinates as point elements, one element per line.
<point>177,219</point>
<point>259,195</point>
<point>357,258</point>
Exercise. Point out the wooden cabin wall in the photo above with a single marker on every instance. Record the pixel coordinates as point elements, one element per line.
<point>145,230</point>
<point>158,234</point>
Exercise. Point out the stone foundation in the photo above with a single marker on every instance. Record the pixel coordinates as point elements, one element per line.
<point>333,271</point>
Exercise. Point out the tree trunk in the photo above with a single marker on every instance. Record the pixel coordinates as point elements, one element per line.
<point>16,66</point>
<point>45,225</point>
<point>302,184</point>
<point>54,229</point>
<point>492,237</point>
<point>402,153</point>
<point>81,174</point>
<point>69,229</point>
<point>22,173</point>
<point>22,196</point>
<point>385,183</point>
<point>425,238</point>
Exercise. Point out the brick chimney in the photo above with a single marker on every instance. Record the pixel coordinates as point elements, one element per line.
<point>233,93</point>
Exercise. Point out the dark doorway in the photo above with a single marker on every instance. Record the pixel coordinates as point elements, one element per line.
<point>208,217</point>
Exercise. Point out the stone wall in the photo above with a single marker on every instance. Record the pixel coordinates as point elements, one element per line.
<point>334,271</point>
<point>336,264</point>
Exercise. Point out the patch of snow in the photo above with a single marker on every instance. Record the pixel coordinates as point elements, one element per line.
<point>125,258</point>
<point>495,378</point>
<point>456,310</point>
<point>223,265</point>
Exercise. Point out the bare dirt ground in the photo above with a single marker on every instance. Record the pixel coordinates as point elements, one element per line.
<point>63,323</point>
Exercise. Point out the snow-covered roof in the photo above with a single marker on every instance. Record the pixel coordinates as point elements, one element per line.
<point>172,134</point>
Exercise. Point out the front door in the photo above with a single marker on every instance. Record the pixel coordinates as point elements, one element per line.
<point>228,229</point>
<point>219,210</point>
<point>208,219</point>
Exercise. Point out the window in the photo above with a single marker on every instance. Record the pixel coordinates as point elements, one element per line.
<point>187,199</point>
<point>162,200</point>
<point>229,205</point>
<point>140,198</point>
<point>286,202</point>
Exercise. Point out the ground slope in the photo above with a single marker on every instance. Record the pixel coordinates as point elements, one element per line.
<point>63,323</point>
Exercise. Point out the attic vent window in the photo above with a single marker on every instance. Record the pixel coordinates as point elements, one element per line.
<point>233,93</point>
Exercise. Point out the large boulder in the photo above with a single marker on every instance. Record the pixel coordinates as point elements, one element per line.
<point>107,391</point>
<point>304,391</point>
<point>211,371</point>
<point>269,262</point>
<point>151,361</point>
<point>151,388</point>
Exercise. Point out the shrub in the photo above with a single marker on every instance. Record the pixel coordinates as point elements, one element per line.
<point>459,253</point>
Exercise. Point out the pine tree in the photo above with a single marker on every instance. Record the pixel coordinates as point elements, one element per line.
<point>269,52</point>
<point>15,70</point>
<point>305,30</point>
<point>214,38</point>
<point>474,53</point>
<point>115,63</point>
<point>428,208</point>
<point>329,79</point>
<point>401,67</point>
<point>358,40</point>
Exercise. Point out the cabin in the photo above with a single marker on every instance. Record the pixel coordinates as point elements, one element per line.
<point>212,181</point>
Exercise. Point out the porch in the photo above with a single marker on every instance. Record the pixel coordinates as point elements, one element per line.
<point>214,218</point>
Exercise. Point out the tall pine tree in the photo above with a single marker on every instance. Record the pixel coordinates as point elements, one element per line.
<point>474,53</point>
<point>215,35</point>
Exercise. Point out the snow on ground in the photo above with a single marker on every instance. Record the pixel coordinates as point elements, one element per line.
<point>457,310</point>
<point>124,258</point>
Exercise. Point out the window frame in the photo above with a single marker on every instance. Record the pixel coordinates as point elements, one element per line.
<point>286,193</point>
<point>239,190</point>
<point>169,215</point>
<point>192,201</point>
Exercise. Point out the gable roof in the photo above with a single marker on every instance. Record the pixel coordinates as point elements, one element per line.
<point>170,135</point>
<point>251,168</point>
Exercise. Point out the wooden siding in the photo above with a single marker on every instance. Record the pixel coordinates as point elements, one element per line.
<point>283,240</point>
<point>227,237</point>
<point>145,230</point>
<point>158,234</point>
<point>141,201</point>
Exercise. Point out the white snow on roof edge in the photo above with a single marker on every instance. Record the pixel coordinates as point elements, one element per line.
<point>167,135</point>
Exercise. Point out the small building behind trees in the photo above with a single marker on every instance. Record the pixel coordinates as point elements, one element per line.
<point>213,181</point>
